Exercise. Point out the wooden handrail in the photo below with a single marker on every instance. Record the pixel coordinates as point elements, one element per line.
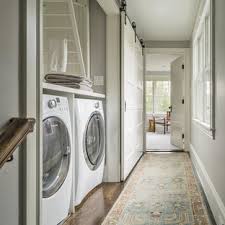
<point>12,135</point>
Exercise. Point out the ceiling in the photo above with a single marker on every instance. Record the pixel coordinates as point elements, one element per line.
<point>157,64</point>
<point>163,20</point>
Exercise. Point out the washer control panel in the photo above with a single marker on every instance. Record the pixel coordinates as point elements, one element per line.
<point>57,103</point>
<point>52,103</point>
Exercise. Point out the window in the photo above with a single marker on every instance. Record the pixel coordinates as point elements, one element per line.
<point>202,69</point>
<point>149,96</point>
<point>157,96</point>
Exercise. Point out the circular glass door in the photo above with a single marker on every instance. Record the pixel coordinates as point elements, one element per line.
<point>94,141</point>
<point>56,155</point>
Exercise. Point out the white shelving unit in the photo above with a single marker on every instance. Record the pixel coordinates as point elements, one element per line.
<point>81,12</point>
<point>76,92</point>
<point>60,23</point>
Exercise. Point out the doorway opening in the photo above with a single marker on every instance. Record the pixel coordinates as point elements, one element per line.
<point>164,101</point>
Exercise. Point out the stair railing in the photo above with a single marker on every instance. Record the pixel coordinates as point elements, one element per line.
<point>12,134</point>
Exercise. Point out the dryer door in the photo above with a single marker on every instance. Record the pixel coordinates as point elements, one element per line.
<point>94,141</point>
<point>56,155</point>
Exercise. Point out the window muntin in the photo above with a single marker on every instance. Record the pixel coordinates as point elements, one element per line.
<point>149,96</point>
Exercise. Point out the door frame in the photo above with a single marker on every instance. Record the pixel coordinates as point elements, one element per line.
<point>30,107</point>
<point>186,53</point>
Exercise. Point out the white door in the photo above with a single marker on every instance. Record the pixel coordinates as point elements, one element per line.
<point>177,102</point>
<point>132,100</point>
<point>9,104</point>
<point>17,99</point>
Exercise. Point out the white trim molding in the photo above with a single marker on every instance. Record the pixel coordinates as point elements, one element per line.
<point>157,73</point>
<point>167,44</point>
<point>204,128</point>
<point>214,200</point>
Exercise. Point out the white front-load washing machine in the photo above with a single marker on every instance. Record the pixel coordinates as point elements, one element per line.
<point>57,160</point>
<point>90,146</point>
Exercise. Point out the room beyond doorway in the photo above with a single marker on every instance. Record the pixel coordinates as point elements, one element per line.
<point>158,104</point>
<point>164,99</point>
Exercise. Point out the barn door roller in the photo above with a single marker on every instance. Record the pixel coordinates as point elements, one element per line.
<point>123,8</point>
<point>142,45</point>
<point>135,31</point>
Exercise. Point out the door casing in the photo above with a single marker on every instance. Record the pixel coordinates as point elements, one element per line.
<point>30,82</point>
<point>186,53</point>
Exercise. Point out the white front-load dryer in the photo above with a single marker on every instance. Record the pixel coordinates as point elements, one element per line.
<point>57,160</point>
<point>90,146</point>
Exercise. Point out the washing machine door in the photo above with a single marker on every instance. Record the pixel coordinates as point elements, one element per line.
<point>94,141</point>
<point>56,155</point>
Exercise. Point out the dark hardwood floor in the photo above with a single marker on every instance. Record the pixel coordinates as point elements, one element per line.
<point>96,206</point>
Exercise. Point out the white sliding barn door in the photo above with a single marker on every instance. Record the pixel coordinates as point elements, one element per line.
<point>177,102</point>
<point>132,100</point>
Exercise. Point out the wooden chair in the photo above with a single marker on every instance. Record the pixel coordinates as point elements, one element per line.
<point>151,127</point>
<point>164,121</point>
<point>168,117</point>
<point>161,121</point>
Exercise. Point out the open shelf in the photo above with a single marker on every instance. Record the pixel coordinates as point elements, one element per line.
<point>76,92</point>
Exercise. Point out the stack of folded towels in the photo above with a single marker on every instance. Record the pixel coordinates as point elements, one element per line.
<point>67,80</point>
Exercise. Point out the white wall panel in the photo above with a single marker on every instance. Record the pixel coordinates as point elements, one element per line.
<point>113,99</point>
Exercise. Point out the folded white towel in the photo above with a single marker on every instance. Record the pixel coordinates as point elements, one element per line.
<point>66,78</point>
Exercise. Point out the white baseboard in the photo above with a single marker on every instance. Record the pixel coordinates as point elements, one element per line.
<point>215,202</point>
<point>128,167</point>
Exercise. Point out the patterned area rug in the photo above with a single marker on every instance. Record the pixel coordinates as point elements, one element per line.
<point>162,190</point>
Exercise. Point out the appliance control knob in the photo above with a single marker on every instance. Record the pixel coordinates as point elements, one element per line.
<point>52,103</point>
<point>97,105</point>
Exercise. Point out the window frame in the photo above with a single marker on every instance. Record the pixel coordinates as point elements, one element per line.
<point>204,71</point>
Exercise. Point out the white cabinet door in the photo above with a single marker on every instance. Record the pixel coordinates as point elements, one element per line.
<point>132,100</point>
<point>177,102</point>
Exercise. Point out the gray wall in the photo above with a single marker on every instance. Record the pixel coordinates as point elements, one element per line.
<point>97,45</point>
<point>113,100</point>
<point>212,152</point>
<point>9,106</point>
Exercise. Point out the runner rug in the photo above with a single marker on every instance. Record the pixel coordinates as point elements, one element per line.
<point>161,190</point>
